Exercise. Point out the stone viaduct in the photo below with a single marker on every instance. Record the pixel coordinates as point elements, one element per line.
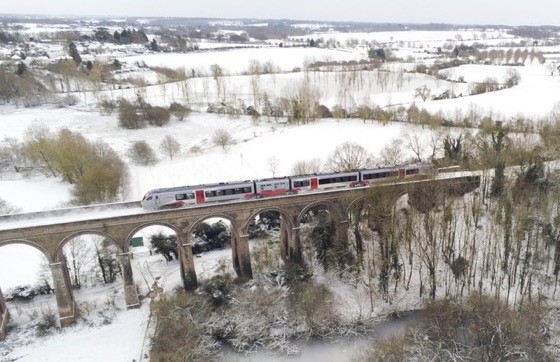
<point>50,239</point>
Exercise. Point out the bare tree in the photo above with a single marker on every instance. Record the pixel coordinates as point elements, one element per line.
<point>255,70</point>
<point>170,146</point>
<point>392,153</point>
<point>222,138</point>
<point>422,93</point>
<point>551,67</point>
<point>78,255</point>
<point>413,142</point>
<point>217,75</point>
<point>306,167</point>
<point>273,163</point>
<point>348,156</point>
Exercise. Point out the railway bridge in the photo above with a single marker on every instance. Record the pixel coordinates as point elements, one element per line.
<point>50,234</point>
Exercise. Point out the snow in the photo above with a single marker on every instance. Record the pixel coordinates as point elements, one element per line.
<point>236,61</point>
<point>34,194</point>
<point>255,144</point>
<point>122,340</point>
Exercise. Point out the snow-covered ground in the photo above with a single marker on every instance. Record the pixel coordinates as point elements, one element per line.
<point>249,158</point>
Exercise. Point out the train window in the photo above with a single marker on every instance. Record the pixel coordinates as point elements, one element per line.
<point>180,196</point>
<point>210,193</point>
<point>302,183</point>
<point>325,181</point>
<point>412,171</point>
<point>149,198</point>
<point>247,190</point>
<point>378,175</point>
<point>228,192</point>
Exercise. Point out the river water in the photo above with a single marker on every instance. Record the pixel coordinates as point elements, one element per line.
<point>339,351</point>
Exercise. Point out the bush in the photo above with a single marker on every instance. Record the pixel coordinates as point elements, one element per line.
<point>217,290</point>
<point>182,332</point>
<point>179,110</point>
<point>312,304</point>
<point>157,116</point>
<point>165,245</point>
<point>46,325</point>
<point>142,154</point>
<point>107,106</point>
<point>482,328</point>
<point>222,138</point>
<point>210,237</point>
<point>6,208</point>
<point>129,117</point>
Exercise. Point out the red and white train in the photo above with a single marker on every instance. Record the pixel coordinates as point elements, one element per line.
<point>175,197</point>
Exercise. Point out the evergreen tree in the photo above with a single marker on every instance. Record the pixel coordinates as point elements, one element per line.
<point>74,54</point>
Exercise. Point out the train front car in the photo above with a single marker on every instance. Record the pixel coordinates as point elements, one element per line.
<point>168,198</point>
<point>148,201</point>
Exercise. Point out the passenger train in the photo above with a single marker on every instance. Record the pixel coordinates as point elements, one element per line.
<point>174,197</point>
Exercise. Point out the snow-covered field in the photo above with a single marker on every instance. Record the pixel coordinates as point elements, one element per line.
<point>249,158</point>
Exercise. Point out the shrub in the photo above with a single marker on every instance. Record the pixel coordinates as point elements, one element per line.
<point>142,154</point>
<point>6,208</point>
<point>182,332</point>
<point>129,117</point>
<point>312,304</point>
<point>179,110</point>
<point>222,138</point>
<point>46,324</point>
<point>482,328</point>
<point>210,237</point>
<point>107,106</point>
<point>165,245</point>
<point>217,290</point>
<point>157,116</point>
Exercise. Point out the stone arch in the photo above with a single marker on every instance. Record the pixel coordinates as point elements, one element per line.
<point>286,227</point>
<point>340,219</point>
<point>287,216</point>
<point>63,242</point>
<point>234,224</point>
<point>354,202</point>
<point>60,281</point>
<point>241,260</point>
<point>33,244</point>
<point>155,223</point>
<point>329,205</point>
<point>185,257</point>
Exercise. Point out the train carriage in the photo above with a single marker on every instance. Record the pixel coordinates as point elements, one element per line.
<point>272,187</point>
<point>181,196</point>
<point>324,181</point>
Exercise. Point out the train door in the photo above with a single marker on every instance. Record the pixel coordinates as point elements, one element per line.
<point>200,196</point>
<point>402,172</point>
<point>314,183</point>
<point>156,201</point>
